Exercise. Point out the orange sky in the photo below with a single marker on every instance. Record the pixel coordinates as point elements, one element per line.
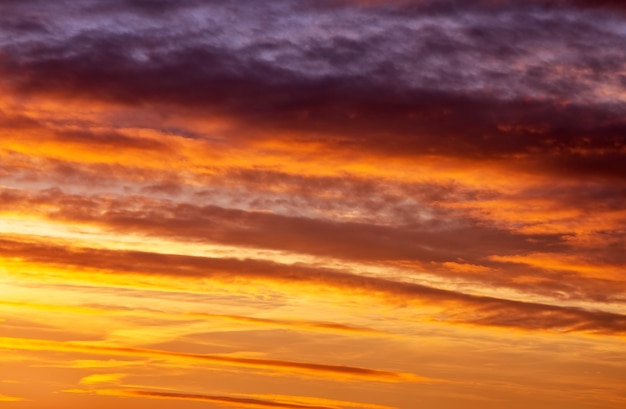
<point>312,205</point>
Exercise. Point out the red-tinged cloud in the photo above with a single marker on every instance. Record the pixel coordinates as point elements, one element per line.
<point>224,400</point>
<point>270,230</point>
<point>294,324</point>
<point>349,86</point>
<point>457,306</point>
<point>305,368</point>
<point>428,246</point>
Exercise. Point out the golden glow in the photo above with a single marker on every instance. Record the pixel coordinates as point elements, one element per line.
<point>163,254</point>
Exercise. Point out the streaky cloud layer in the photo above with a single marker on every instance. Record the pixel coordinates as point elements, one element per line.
<point>313,204</point>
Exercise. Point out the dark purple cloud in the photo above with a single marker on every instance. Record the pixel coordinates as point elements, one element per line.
<point>488,80</point>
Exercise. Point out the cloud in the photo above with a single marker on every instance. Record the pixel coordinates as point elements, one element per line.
<point>460,163</point>
<point>5,398</point>
<point>294,324</point>
<point>273,401</point>
<point>456,306</point>
<point>283,366</point>
<point>97,379</point>
<point>346,240</point>
<point>224,400</point>
<point>347,85</point>
<point>461,226</point>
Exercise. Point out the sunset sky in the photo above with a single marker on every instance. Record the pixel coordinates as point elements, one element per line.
<point>313,204</point>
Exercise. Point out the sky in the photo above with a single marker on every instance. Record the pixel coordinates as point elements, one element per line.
<point>313,204</point>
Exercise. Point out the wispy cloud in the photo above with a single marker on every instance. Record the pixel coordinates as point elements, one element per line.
<point>462,307</point>
<point>305,368</point>
<point>5,398</point>
<point>287,402</point>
